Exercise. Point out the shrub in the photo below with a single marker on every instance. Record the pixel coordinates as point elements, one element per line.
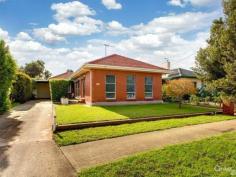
<point>176,89</point>
<point>194,99</point>
<point>165,97</point>
<point>7,74</point>
<point>22,88</point>
<point>58,89</point>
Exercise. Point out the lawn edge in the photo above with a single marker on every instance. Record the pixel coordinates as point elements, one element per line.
<point>82,125</point>
<point>191,124</point>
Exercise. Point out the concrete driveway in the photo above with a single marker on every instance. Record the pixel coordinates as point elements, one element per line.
<point>26,145</point>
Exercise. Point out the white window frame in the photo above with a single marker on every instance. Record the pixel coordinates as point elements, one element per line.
<point>106,87</point>
<point>145,88</point>
<point>134,88</point>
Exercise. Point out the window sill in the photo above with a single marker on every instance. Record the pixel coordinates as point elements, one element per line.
<point>111,99</point>
<point>148,98</point>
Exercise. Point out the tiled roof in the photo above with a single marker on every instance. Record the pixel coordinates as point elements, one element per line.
<point>180,72</point>
<point>63,76</point>
<point>118,60</point>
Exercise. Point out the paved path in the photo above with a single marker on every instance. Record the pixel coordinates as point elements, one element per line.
<point>26,145</point>
<point>93,153</point>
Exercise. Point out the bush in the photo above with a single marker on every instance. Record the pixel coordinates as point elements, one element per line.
<point>165,97</point>
<point>22,88</point>
<point>194,99</point>
<point>7,74</point>
<point>58,89</point>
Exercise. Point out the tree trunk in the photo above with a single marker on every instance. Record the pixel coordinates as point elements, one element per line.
<point>180,104</point>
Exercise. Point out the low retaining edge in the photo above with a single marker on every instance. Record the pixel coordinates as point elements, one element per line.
<point>126,121</point>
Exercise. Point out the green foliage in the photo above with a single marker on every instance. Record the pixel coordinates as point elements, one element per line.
<point>79,113</point>
<point>7,74</point>
<point>98,133</point>
<point>194,99</point>
<point>216,64</point>
<point>36,69</point>
<point>208,157</point>
<point>165,97</point>
<point>47,74</point>
<point>58,89</point>
<point>22,88</point>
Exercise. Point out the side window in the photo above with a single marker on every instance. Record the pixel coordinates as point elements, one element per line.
<point>130,87</point>
<point>148,87</point>
<point>110,87</point>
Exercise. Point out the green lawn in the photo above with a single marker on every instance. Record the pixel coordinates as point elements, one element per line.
<point>91,134</point>
<point>214,156</point>
<point>80,113</point>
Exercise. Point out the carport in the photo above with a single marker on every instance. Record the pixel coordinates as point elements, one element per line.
<point>42,90</point>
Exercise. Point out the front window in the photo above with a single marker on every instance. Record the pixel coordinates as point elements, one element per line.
<point>110,87</point>
<point>130,87</point>
<point>148,87</point>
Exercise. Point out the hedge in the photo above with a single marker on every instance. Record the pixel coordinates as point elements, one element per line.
<point>22,88</point>
<point>58,89</point>
<point>7,74</point>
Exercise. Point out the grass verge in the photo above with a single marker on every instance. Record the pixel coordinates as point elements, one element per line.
<point>214,156</point>
<point>92,134</point>
<point>67,114</point>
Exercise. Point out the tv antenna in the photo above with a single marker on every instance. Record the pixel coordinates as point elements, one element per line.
<point>105,47</point>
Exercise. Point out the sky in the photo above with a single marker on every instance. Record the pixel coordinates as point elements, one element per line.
<point>65,34</point>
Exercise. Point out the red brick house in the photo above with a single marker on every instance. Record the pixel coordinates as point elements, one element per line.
<point>117,79</point>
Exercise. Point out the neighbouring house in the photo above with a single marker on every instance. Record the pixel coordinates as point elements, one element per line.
<point>181,73</point>
<point>64,76</point>
<point>117,79</point>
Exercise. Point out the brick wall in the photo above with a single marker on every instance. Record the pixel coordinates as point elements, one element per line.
<point>99,78</point>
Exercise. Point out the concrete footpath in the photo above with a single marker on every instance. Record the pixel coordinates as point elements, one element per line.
<point>103,151</point>
<point>26,145</point>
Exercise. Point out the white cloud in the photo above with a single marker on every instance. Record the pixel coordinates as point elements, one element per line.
<point>4,35</point>
<point>111,4</point>
<point>116,28</point>
<point>162,37</point>
<point>183,3</point>
<point>72,18</point>
<point>23,36</point>
<point>47,35</point>
<point>180,23</point>
<point>71,9</point>
<point>79,26</point>
<point>176,3</point>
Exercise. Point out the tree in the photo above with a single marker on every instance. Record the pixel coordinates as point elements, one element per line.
<point>216,64</point>
<point>36,69</point>
<point>47,74</point>
<point>7,74</point>
<point>178,88</point>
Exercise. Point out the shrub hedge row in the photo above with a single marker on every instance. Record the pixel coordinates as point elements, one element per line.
<point>7,74</point>
<point>22,88</point>
<point>58,89</point>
